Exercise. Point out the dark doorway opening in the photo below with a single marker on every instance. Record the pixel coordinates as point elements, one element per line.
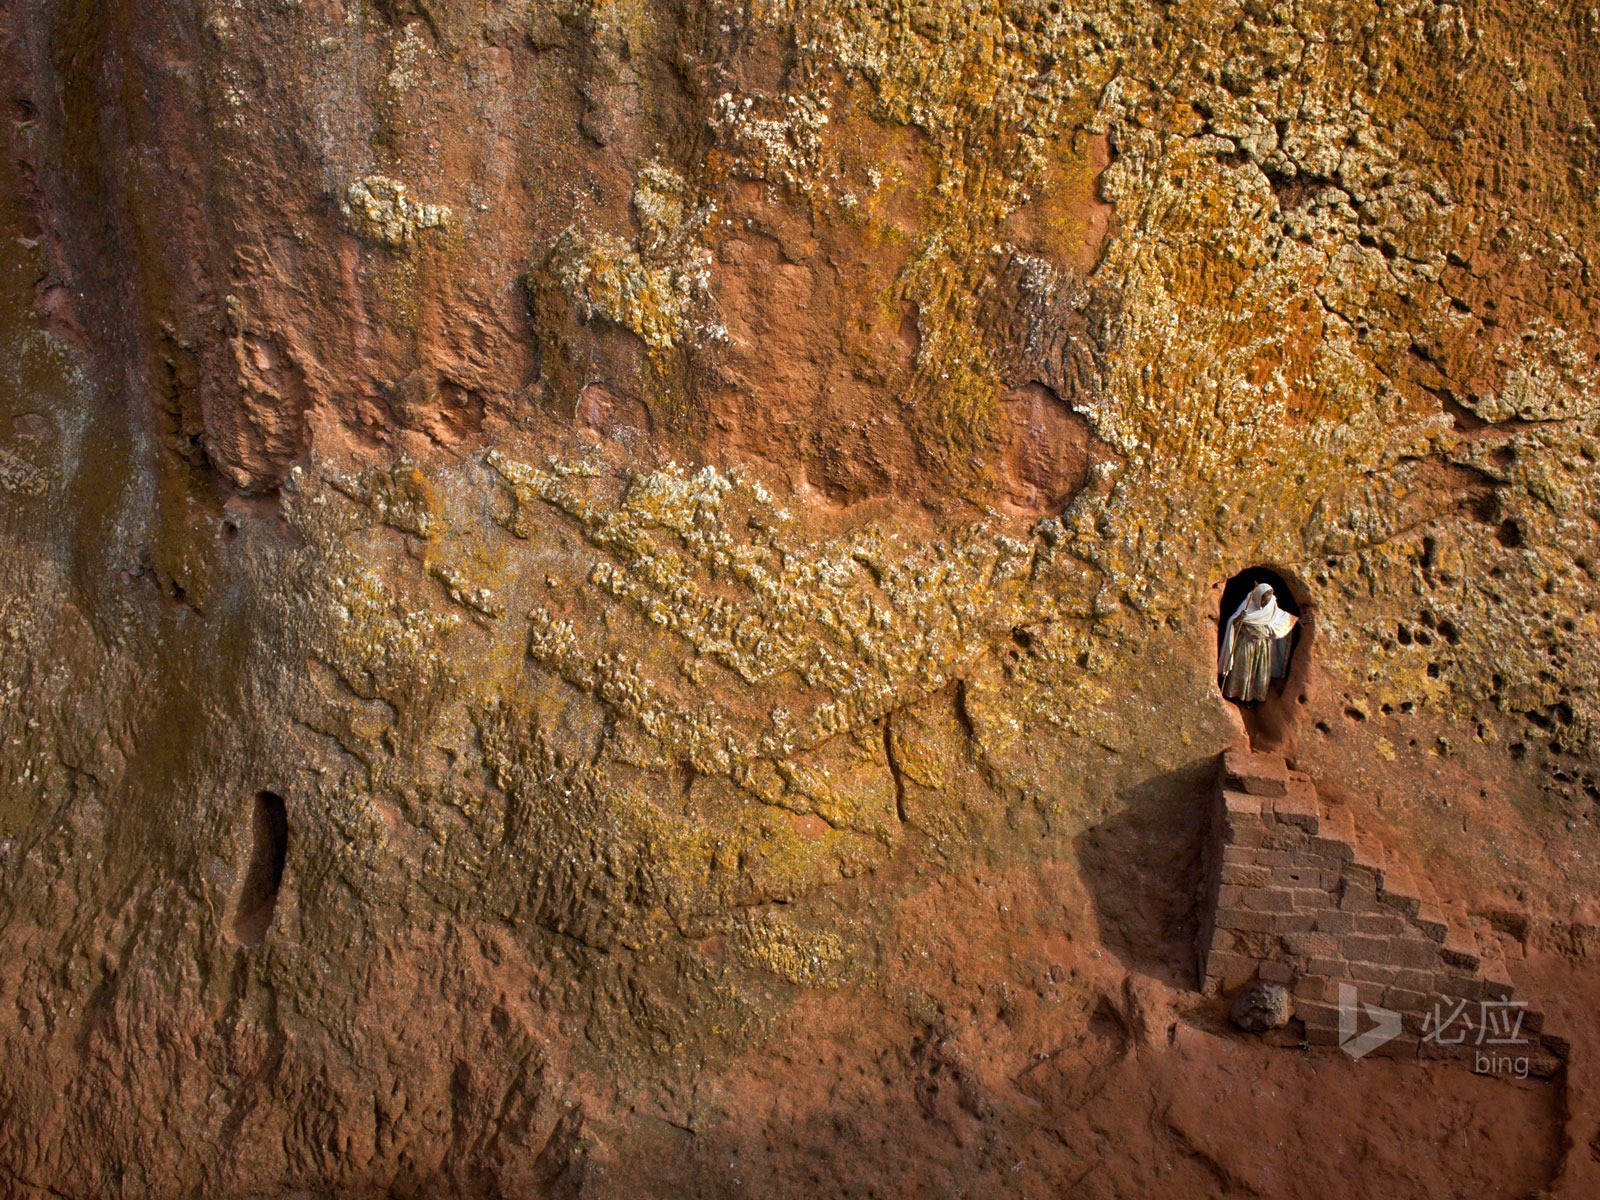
<point>1240,586</point>
<point>269,850</point>
<point>1271,721</point>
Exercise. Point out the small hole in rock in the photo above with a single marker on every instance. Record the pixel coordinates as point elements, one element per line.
<point>269,848</point>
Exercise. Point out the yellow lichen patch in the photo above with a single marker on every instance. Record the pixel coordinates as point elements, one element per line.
<point>469,572</point>
<point>378,646</point>
<point>857,620</point>
<point>808,958</point>
<point>381,209</point>
<point>402,496</point>
<point>658,287</point>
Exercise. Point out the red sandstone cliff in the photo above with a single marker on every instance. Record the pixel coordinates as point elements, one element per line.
<point>615,599</point>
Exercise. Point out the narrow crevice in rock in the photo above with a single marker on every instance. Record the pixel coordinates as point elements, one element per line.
<point>269,848</point>
<point>894,768</point>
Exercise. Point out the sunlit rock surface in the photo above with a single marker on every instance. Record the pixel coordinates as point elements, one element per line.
<point>617,599</point>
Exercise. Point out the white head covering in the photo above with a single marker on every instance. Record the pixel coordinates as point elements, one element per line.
<point>1260,609</point>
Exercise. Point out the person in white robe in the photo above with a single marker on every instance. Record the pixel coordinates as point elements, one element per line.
<point>1255,646</point>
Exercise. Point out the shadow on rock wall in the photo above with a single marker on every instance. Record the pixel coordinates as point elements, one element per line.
<point>1141,865</point>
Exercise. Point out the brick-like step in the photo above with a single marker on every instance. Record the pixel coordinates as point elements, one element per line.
<point>1367,869</point>
<point>1295,896</point>
<point>1400,891</point>
<point>1460,950</point>
<point>1255,774</point>
<point>1298,809</point>
<point>1433,924</point>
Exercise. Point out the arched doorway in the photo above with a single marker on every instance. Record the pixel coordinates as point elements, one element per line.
<point>1271,722</point>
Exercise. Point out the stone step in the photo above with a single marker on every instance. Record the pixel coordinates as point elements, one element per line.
<point>1417,883</point>
<point>1399,891</point>
<point>1339,825</point>
<point>1460,950</point>
<point>1487,939</point>
<point>1496,979</point>
<point>1298,808</point>
<point>1256,774</point>
<point>1366,868</point>
<point>1307,900</point>
<point>1336,839</point>
<point>1432,923</point>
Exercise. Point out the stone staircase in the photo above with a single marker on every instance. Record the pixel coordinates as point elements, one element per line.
<point>1293,896</point>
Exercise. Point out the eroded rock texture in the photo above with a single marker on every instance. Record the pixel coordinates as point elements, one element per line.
<point>619,599</point>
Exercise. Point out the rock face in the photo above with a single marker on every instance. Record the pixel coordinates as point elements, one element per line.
<point>608,598</point>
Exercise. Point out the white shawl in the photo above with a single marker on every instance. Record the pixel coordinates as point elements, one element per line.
<point>1260,608</point>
